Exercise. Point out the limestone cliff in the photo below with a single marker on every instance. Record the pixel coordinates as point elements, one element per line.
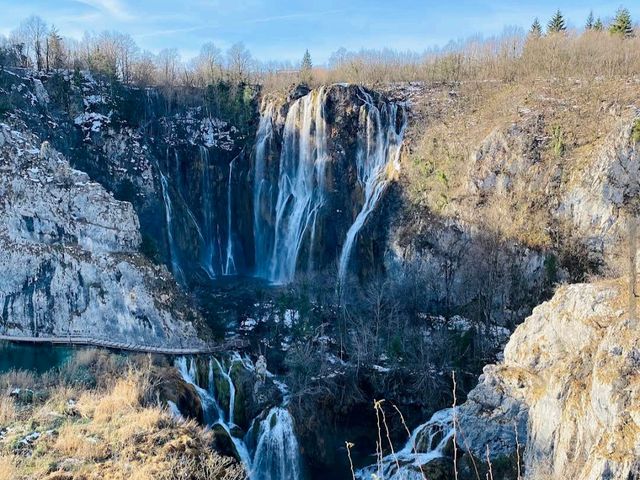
<point>68,258</point>
<point>570,379</point>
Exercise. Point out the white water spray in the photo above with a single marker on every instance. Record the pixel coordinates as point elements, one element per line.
<point>427,443</point>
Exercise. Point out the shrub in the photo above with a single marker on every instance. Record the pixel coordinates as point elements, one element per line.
<point>635,131</point>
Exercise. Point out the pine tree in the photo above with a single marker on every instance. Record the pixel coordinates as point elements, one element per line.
<point>536,28</point>
<point>622,24</point>
<point>598,26</point>
<point>306,67</point>
<point>557,24</point>
<point>590,21</point>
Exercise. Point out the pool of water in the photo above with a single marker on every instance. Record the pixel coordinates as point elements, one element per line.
<point>37,358</point>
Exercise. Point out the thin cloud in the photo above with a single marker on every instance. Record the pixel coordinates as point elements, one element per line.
<point>292,16</point>
<point>162,33</point>
<point>111,7</point>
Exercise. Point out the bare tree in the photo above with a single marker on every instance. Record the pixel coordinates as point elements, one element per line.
<point>168,63</point>
<point>239,62</point>
<point>208,66</point>
<point>143,70</point>
<point>32,33</point>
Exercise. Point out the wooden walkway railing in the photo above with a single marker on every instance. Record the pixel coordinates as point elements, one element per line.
<point>235,344</point>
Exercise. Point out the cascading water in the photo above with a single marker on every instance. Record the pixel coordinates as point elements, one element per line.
<point>276,453</point>
<point>379,145</point>
<point>263,193</point>
<point>427,443</point>
<point>230,262</point>
<point>300,186</point>
<point>287,212</point>
<point>168,211</point>
<point>208,256</point>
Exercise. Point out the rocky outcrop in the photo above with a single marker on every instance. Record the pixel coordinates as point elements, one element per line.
<point>570,379</point>
<point>600,197</point>
<point>68,258</point>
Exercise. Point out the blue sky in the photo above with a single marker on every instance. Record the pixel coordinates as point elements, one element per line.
<point>282,29</point>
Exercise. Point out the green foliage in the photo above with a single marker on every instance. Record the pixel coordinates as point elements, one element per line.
<point>558,142</point>
<point>536,29</point>
<point>590,21</point>
<point>635,131</point>
<point>232,102</point>
<point>557,23</point>
<point>598,26</point>
<point>306,75</point>
<point>551,268</point>
<point>622,23</point>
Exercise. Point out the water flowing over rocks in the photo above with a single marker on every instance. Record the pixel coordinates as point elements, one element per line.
<point>314,200</point>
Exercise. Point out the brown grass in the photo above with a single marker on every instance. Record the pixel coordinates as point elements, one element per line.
<point>109,432</point>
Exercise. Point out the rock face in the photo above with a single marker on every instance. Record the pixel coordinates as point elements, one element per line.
<point>570,377</point>
<point>68,258</point>
<point>596,202</point>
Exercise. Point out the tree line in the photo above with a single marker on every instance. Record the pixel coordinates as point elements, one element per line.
<point>600,49</point>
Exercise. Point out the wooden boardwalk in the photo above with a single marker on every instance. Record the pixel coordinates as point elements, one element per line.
<point>130,347</point>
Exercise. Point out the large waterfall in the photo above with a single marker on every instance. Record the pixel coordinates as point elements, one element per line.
<point>269,450</point>
<point>300,187</point>
<point>299,200</point>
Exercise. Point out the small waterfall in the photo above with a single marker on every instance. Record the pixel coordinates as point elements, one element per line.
<point>263,193</point>
<point>232,388</point>
<point>168,211</point>
<point>230,263</point>
<point>427,443</point>
<point>379,146</point>
<point>277,452</point>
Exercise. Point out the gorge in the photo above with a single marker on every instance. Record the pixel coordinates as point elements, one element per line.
<point>355,244</point>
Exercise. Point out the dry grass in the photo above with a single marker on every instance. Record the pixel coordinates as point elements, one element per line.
<point>111,432</point>
<point>530,117</point>
<point>8,470</point>
<point>7,411</point>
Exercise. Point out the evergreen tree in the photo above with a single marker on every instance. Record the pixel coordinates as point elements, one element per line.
<point>306,67</point>
<point>622,24</point>
<point>598,26</point>
<point>557,23</point>
<point>536,29</point>
<point>590,21</point>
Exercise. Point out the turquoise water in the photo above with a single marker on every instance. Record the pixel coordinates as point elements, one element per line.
<point>37,358</point>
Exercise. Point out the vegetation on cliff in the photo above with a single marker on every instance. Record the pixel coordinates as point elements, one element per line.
<point>99,417</point>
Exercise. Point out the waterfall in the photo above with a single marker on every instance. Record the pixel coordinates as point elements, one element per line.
<point>301,182</point>
<point>230,263</point>
<point>208,255</point>
<point>428,442</point>
<point>379,145</point>
<point>276,453</point>
<point>232,388</point>
<point>263,193</point>
<point>290,210</point>
<point>168,211</point>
